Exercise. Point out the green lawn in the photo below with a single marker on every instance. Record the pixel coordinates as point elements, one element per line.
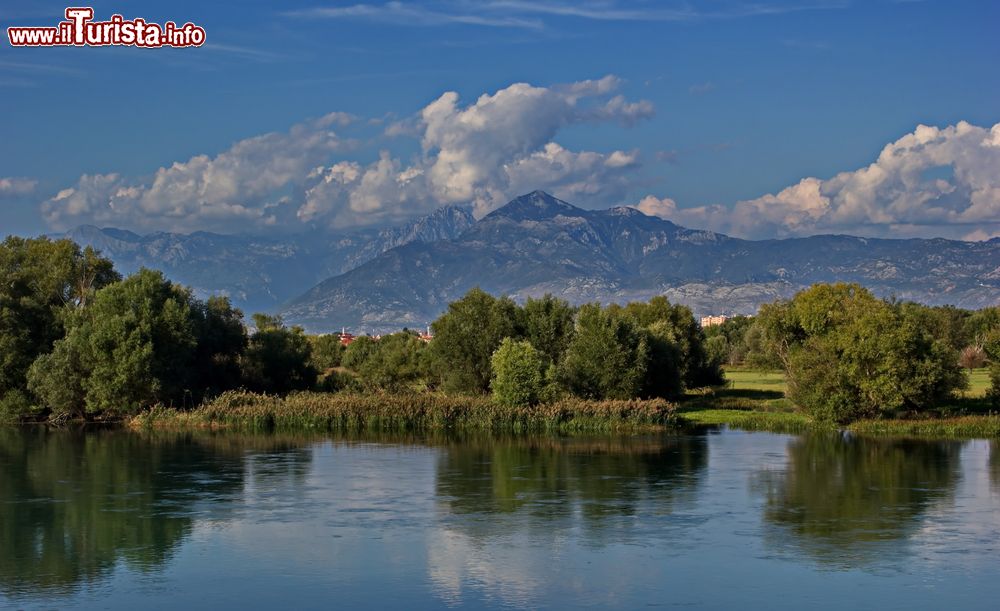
<point>740,379</point>
<point>755,400</point>
<point>749,379</point>
<point>979,381</point>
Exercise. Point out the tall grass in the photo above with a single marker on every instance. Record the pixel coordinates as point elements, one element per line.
<point>401,412</point>
<point>964,427</point>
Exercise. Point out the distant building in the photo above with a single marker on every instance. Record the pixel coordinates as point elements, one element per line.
<point>346,338</point>
<point>711,321</point>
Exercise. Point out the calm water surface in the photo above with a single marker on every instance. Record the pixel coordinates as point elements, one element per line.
<point>718,519</point>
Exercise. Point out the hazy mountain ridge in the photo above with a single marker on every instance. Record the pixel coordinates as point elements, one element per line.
<point>258,272</point>
<point>538,244</point>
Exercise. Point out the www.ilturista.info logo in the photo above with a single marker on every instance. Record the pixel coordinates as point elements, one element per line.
<point>81,30</point>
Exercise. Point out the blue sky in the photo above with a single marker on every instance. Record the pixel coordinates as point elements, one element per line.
<point>760,119</point>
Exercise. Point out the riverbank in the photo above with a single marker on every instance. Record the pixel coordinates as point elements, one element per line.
<point>348,412</point>
<point>755,401</point>
<point>401,412</point>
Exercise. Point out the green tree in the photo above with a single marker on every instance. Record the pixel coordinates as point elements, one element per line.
<point>517,373</point>
<point>862,357</point>
<point>608,357</point>
<point>359,352</point>
<point>40,279</point>
<point>981,324</point>
<point>327,351</point>
<point>466,336</point>
<point>771,336</point>
<point>664,374</point>
<point>717,348</point>
<point>732,348</point>
<point>548,325</point>
<point>221,342</point>
<point>278,358</point>
<point>946,323</point>
<point>395,363</point>
<point>678,325</point>
<point>990,340</point>
<point>132,347</point>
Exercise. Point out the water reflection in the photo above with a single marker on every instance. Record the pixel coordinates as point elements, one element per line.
<point>76,504</point>
<point>551,478</point>
<point>126,520</point>
<point>995,465</point>
<point>844,500</point>
<point>503,500</point>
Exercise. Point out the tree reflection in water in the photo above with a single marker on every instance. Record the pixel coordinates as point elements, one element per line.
<point>848,500</point>
<point>76,504</point>
<point>554,482</point>
<point>995,466</point>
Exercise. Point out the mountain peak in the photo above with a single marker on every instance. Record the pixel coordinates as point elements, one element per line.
<point>535,206</point>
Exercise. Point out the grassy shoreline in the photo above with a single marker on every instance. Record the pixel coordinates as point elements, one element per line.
<point>403,412</point>
<point>752,401</point>
<point>755,401</point>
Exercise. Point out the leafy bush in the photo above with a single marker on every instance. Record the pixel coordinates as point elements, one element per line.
<point>851,356</point>
<point>466,336</point>
<point>278,358</point>
<point>517,374</point>
<point>608,357</point>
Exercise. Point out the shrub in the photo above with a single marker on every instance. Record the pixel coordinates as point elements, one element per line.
<point>608,357</point>
<point>863,358</point>
<point>972,357</point>
<point>517,374</point>
<point>278,358</point>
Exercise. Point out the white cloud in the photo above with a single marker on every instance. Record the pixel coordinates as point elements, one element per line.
<point>485,153</point>
<point>664,208</point>
<point>582,178</point>
<point>931,182</point>
<point>482,153</point>
<point>235,189</point>
<point>400,13</point>
<point>522,14</point>
<point>15,187</point>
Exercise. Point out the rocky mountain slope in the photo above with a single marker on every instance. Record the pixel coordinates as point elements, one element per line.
<point>538,244</point>
<point>260,273</point>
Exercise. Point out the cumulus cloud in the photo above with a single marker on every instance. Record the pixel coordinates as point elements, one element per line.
<point>665,208</point>
<point>234,189</point>
<point>931,182</point>
<point>485,150</point>
<point>15,187</point>
<point>481,153</point>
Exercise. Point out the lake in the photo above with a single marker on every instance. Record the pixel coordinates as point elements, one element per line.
<point>709,519</point>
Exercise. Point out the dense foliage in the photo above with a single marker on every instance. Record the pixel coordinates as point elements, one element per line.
<point>77,341</point>
<point>142,341</point>
<point>652,349</point>
<point>517,373</point>
<point>466,336</point>
<point>849,355</point>
<point>41,280</point>
<point>395,362</point>
<point>278,359</point>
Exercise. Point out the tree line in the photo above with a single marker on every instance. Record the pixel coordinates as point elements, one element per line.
<point>79,341</point>
<point>849,355</point>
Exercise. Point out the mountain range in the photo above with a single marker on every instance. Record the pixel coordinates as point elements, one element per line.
<point>538,244</point>
<point>261,273</point>
<point>385,279</point>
